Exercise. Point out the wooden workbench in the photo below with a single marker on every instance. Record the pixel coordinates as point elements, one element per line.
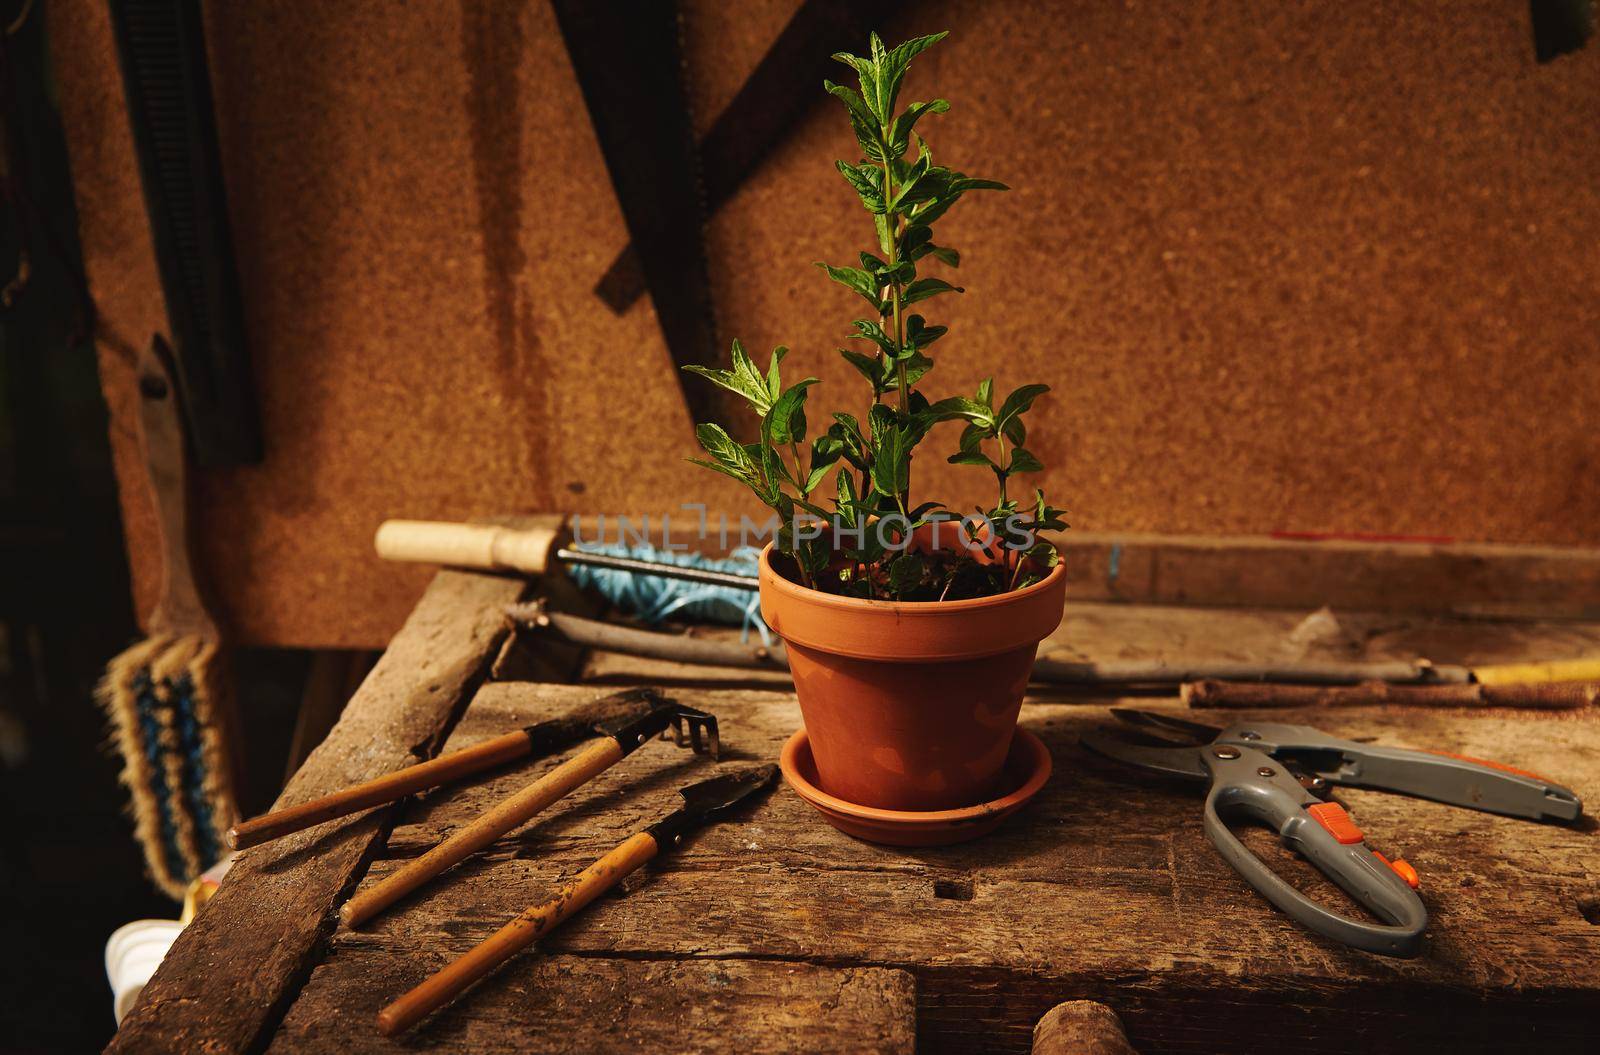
<point>777,933</point>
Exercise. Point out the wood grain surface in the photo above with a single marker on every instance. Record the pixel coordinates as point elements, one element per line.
<point>587,1005</point>
<point>1286,265</point>
<point>1104,889</point>
<point>232,972</point>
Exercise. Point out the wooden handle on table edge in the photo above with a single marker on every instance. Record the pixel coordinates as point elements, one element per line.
<point>1546,696</point>
<point>530,551</point>
<point>448,982</point>
<point>375,792</point>
<point>501,818</point>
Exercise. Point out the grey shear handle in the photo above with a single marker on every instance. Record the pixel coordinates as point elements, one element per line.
<point>1473,783</point>
<point>1278,801</point>
<point>1469,782</point>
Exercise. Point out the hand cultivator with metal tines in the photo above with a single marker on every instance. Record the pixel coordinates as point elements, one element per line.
<point>667,719</point>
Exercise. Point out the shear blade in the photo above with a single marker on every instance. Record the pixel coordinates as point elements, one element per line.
<point>1173,761</point>
<point>1193,732</point>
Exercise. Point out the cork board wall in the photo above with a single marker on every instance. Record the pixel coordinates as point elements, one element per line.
<point>1287,266</point>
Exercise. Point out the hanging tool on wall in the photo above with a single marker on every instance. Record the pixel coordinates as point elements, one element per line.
<point>630,70</point>
<point>167,695</point>
<point>161,46</point>
<point>768,106</point>
<point>1273,773</point>
<point>617,740</point>
<point>530,742</point>
<point>704,803</point>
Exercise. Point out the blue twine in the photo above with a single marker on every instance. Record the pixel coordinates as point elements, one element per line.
<point>653,598</point>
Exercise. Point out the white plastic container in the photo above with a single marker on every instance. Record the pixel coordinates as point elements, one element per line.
<point>133,952</point>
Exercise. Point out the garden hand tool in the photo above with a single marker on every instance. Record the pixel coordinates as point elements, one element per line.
<point>167,695</point>
<point>1268,771</point>
<point>525,551</point>
<point>703,803</point>
<point>617,740</point>
<point>533,741</point>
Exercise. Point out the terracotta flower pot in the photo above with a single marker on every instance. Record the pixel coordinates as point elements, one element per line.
<point>910,705</point>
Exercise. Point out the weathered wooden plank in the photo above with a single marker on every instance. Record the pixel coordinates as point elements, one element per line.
<point>1105,889</point>
<point>237,966</point>
<point>1264,571</point>
<point>594,1005</point>
<point>1092,632</point>
<point>1412,577</point>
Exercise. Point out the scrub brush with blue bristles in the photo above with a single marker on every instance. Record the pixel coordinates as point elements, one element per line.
<point>164,695</point>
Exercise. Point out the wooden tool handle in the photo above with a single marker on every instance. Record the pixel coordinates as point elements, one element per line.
<point>1559,696</point>
<point>1080,1027</point>
<point>447,983</point>
<point>598,757</point>
<point>383,789</point>
<point>178,609</point>
<point>530,551</point>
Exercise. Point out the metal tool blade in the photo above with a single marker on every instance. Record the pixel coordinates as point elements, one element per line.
<point>1192,732</point>
<point>580,724</point>
<point>1173,761</point>
<point>711,799</point>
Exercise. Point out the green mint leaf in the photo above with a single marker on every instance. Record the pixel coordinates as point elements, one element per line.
<point>774,378</point>
<point>891,460</point>
<point>857,281</point>
<point>868,330</point>
<point>917,366</point>
<point>744,379</point>
<point>729,457</point>
<point>845,498</point>
<point>867,181</point>
<point>961,184</point>
<point>923,288</point>
<point>906,572</point>
<point>919,334</point>
<point>866,364</point>
<point>1018,402</point>
<point>1023,461</point>
<point>962,407</point>
<point>786,421</point>
<point>863,122</point>
<point>900,130</point>
<point>892,69</point>
<point>970,458</point>
<point>1043,554</point>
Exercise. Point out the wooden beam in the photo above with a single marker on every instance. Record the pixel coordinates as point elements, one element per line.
<point>588,1004</point>
<point>1485,581</point>
<point>1473,580</point>
<point>1104,888</point>
<point>236,968</point>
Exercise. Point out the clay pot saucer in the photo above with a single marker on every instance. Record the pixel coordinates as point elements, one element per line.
<point>1027,768</point>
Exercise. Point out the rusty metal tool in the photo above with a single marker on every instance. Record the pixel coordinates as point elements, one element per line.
<point>703,803</point>
<point>533,741</point>
<point>618,739</point>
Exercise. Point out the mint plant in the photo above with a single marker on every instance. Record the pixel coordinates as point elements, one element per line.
<point>875,542</point>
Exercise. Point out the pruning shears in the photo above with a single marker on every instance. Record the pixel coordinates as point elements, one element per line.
<point>1280,775</point>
